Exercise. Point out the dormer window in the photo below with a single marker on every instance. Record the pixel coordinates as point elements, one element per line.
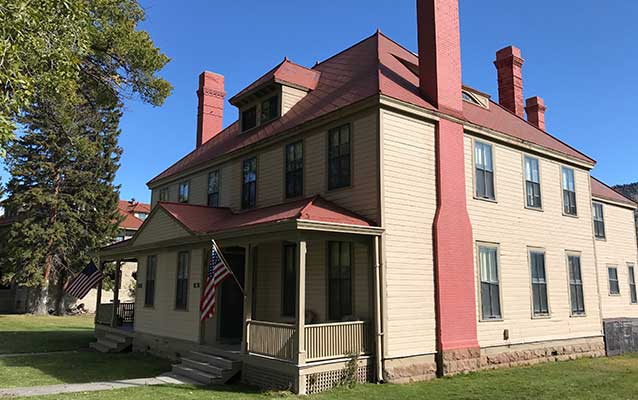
<point>269,109</point>
<point>249,118</point>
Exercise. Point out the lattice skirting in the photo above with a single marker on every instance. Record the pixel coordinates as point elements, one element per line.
<point>322,381</point>
<point>267,379</point>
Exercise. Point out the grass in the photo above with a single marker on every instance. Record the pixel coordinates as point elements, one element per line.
<point>80,367</point>
<point>30,334</point>
<point>586,379</point>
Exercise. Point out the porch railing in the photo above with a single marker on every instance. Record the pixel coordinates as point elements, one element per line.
<point>271,339</point>
<point>104,314</point>
<point>336,340</point>
<point>125,313</point>
<point>323,341</point>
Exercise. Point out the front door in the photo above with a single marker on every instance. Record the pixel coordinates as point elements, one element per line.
<point>231,313</point>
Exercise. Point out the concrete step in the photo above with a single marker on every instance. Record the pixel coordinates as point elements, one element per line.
<point>194,374</point>
<point>203,366</point>
<point>99,347</point>
<point>220,362</point>
<point>110,344</point>
<point>117,338</point>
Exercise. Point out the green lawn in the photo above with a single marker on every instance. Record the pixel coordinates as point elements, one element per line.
<point>588,379</point>
<point>80,367</point>
<point>29,333</point>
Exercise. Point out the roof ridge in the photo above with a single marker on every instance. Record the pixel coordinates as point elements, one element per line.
<point>310,202</point>
<point>345,50</point>
<point>191,205</point>
<point>611,188</point>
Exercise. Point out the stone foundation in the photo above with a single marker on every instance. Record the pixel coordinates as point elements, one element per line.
<point>467,360</point>
<point>410,369</point>
<point>162,347</point>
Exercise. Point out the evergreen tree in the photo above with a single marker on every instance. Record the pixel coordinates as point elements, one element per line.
<point>62,171</point>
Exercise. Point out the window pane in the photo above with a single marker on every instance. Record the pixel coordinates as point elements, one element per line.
<point>289,278</point>
<point>488,266</point>
<point>339,155</point>
<point>294,170</point>
<point>340,280</point>
<point>632,285</point>
<point>249,118</point>
<point>270,109</point>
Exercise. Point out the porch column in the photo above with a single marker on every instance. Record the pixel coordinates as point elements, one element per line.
<point>98,299</point>
<point>116,292</point>
<point>248,295</point>
<point>300,321</point>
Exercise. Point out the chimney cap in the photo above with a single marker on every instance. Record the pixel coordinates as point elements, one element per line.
<point>535,101</point>
<point>509,51</point>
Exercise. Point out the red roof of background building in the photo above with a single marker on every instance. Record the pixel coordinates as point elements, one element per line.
<point>202,219</point>
<point>600,190</point>
<point>285,72</point>
<point>127,209</point>
<point>376,65</point>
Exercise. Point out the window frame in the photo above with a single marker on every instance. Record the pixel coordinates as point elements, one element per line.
<point>540,314</point>
<point>496,247</point>
<point>241,118</point>
<point>539,183</point>
<point>329,285</point>
<point>475,175</point>
<point>563,190</point>
<point>187,184</point>
<point>147,289</point>
<point>164,191</point>
<point>334,183</point>
<point>613,291</point>
<point>631,278</point>
<point>247,204</point>
<point>276,114</point>
<point>578,255</point>
<point>597,236</point>
<point>285,282</point>
<point>301,171</point>
<point>184,306</point>
<point>208,192</point>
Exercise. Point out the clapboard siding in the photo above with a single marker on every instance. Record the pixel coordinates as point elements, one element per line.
<point>289,97</point>
<point>361,197</point>
<point>159,228</point>
<point>162,319</point>
<point>508,223</point>
<point>617,249</point>
<point>409,194</point>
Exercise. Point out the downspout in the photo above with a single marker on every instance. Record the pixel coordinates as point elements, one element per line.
<point>377,311</point>
<point>593,239</point>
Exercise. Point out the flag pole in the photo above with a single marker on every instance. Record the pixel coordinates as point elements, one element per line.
<point>228,266</point>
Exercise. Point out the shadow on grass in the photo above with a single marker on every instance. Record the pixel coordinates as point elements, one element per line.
<point>78,368</point>
<point>44,341</point>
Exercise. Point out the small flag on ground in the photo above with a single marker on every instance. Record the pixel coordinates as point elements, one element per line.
<point>83,282</point>
<point>218,271</point>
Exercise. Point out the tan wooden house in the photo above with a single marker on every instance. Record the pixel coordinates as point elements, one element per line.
<point>377,210</point>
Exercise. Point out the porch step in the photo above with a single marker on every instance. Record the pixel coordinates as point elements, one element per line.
<point>206,368</point>
<point>112,343</point>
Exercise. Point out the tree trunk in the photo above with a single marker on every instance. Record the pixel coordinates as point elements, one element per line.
<point>37,300</point>
<point>58,300</point>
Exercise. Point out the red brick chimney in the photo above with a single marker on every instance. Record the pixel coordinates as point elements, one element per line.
<point>440,84</point>
<point>210,106</point>
<point>509,66</point>
<point>535,108</point>
<point>440,53</point>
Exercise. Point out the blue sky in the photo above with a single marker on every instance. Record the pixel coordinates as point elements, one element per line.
<point>580,56</point>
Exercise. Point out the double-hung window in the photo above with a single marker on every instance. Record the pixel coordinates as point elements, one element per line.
<point>269,109</point>
<point>576,294</point>
<point>181,287</point>
<point>632,284</point>
<point>484,166</point>
<point>149,291</point>
<point>294,169</point>
<point>289,281</point>
<point>539,283</point>
<point>339,157</point>
<point>249,118</point>
<point>184,191</point>
<point>490,287</point>
<point>532,183</point>
<point>163,194</point>
<point>213,189</point>
<point>249,184</point>
<point>614,286</point>
<point>569,191</point>
<point>339,280</point>
<point>599,220</point>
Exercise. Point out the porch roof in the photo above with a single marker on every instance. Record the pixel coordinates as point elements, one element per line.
<point>202,219</point>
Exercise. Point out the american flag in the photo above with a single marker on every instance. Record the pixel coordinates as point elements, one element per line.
<point>218,271</point>
<point>83,282</point>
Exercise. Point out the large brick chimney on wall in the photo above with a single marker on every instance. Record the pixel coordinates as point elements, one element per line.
<point>210,106</point>
<point>440,84</point>
<point>509,67</point>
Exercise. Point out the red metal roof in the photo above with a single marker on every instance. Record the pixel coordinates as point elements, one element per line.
<point>600,190</point>
<point>127,209</point>
<point>202,219</point>
<point>286,72</point>
<point>376,65</point>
